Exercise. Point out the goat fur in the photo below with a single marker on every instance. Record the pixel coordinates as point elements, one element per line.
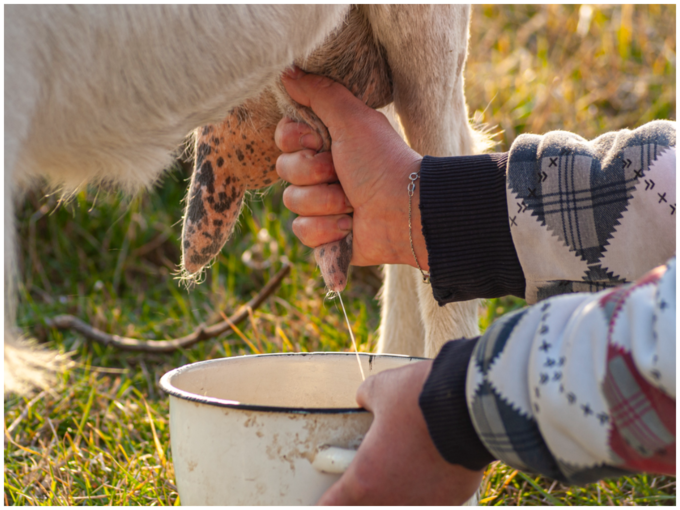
<point>105,94</point>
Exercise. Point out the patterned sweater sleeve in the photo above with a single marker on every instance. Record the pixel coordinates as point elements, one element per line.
<point>557,214</point>
<point>588,215</point>
<point>580,386</point>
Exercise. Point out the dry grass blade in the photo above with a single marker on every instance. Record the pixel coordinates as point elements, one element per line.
<point>285,338</point>
<point>23,448</point>
<point>256,332</point>
<point>236,330</point>
<point>24,413</point>
<point>508,479</point>
<point>157,443</point>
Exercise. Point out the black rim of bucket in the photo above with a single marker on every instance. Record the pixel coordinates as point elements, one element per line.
<point>168,388</point>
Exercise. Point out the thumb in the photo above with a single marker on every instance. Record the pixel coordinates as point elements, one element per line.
<point>366,391</point>
<point>339,494</point>
<point>334,104</point>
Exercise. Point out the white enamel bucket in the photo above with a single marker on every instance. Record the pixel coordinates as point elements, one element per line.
<point>271,429</point>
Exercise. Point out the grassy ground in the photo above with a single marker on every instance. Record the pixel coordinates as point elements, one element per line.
<point>100,436</point>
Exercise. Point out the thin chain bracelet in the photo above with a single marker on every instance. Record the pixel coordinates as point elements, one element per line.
<point>411,189</point>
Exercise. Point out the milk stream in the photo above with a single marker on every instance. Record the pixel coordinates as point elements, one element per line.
<point>354,342</point>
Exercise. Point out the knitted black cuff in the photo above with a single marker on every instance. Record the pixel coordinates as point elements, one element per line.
<point>444,406</point>
<point>464,215</point>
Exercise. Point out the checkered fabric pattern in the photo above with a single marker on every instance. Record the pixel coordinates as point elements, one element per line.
<point>508,431</point>
<point>575,207</point>
<point>581,387</point>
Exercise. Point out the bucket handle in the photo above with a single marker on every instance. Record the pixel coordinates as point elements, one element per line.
<point>334,460</point>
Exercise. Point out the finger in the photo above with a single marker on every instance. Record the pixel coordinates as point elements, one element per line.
<point>357,485</point>
<point>365,393</point>
<point>317,200</point>
<point>315,231</point>
<point>291,136</point>
<point>339,494</point>
<point>335,105</point>
<point>306,167</point>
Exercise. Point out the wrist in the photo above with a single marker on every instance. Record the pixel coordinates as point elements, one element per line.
<point>444,406</point>
<point>414,252</point>
<point>385,224</point>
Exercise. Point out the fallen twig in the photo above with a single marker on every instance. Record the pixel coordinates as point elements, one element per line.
<point>202,332</point>
<point>24,413</point>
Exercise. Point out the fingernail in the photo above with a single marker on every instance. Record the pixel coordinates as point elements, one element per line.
<point>311,141</point>
<point>293,72</point>
<point>345,223</point>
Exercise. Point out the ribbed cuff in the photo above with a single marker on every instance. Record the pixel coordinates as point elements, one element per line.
<point>464,215</point>
<point>445,409</point>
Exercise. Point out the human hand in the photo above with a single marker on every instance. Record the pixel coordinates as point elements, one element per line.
<point>370,160</point>
<point>397,462</point>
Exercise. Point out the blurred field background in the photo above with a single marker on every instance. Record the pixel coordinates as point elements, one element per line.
<point>100,436</point>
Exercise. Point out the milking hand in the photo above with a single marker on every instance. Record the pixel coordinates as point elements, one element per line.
<point>332,258</point>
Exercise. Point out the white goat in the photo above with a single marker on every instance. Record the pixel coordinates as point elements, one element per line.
<point>105,94</point>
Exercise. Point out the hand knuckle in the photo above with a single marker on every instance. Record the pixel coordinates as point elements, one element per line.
<point>324,167</point>
<point>360,489</point>
<point>365,391</point>
<point>337,203</point>
<point>318,172</point>
<point>321,81</point>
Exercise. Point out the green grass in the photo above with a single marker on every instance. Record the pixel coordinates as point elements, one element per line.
<point>110,260</point>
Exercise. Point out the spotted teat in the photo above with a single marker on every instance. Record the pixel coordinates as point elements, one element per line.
<point>231,157</point>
